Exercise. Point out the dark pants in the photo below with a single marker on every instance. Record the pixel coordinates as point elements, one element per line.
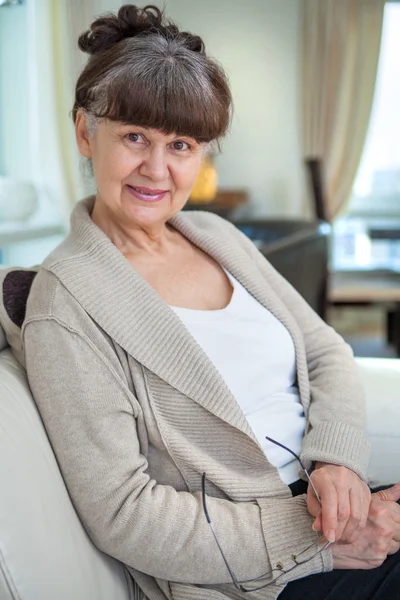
<point>382,583</point>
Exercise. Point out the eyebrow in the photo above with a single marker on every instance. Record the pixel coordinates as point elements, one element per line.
<point>144,129</point>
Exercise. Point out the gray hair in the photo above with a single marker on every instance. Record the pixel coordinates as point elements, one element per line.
<point>144,71</point>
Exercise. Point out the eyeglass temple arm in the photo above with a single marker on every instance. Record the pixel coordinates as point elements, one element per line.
<point>297,457</point>
<point>231,573</point>
<point>203,485</point>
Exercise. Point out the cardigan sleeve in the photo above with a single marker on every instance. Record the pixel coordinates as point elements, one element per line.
<point>336,430</point>
<point>89,417</point>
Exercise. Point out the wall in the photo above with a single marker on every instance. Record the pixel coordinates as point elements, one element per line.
<point>257,42</point>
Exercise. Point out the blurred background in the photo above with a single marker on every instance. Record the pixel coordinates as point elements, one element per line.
<point>310,169</point>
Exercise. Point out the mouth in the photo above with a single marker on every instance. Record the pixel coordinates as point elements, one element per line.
<point>147,194</point>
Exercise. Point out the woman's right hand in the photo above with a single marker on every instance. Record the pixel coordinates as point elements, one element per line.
<point>379,538</point>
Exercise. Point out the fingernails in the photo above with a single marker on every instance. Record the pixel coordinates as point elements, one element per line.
<point>331,536</point>
<point>314,527</point>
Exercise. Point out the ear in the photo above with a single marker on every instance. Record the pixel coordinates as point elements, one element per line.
<point>82,134</point>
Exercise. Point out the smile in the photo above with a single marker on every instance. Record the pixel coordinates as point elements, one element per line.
<point>146,194</point>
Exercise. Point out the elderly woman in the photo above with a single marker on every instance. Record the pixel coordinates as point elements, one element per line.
<point>162,349</point>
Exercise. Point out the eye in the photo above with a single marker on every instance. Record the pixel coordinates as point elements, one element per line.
<point>135,138</point>
<point>180,145</point>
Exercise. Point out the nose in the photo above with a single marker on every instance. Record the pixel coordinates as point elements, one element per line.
<point>154,164</point>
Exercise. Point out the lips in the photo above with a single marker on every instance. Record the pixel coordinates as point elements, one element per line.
<point>145,190</point>
<point>147,194</point>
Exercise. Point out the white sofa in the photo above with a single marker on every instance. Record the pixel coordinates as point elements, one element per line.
<point>45,553</point>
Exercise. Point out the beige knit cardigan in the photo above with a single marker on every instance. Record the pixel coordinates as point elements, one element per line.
<point>135,412</point>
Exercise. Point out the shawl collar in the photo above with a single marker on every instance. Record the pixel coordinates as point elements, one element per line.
<point>95,272</point>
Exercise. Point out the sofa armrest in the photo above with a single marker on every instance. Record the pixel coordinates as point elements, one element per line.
<point>381,380</point>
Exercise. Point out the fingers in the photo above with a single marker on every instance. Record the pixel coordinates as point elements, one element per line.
<point>314,508</point>
<point>327,519</point>
<point>383,517</point>
<point>346,520</point>
<point>394,511</point>
<point>394,547</point>
<point>313,505</point>
<point>317,525</point>
<point>392,493</point>
<point>396,537</point>
<point>388,499</point>
<point>345,500</point>
<point>359,505</point>
<point>329,513</point>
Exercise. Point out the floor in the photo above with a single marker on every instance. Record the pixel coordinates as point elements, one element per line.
<point>364,328</point>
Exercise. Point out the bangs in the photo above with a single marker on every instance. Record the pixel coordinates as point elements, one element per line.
<point>170,96</point>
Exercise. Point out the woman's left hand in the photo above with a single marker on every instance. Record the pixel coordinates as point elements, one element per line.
<point>345,500</point>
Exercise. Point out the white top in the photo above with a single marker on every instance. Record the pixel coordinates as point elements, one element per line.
<point>255,355</point>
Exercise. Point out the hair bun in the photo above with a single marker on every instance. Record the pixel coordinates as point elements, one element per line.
<point>109,29</point>
<point>130,21</point>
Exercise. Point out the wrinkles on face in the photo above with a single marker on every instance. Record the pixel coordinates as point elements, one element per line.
<point>126,156</point>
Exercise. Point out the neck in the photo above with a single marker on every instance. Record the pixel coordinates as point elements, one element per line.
<point>131,238</point>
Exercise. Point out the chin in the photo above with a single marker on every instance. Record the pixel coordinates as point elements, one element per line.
<point>148,215</point>
<point>153,213</point>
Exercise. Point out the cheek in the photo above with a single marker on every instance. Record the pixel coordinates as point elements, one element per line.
<point>115,167</point>
<point>186,175</point>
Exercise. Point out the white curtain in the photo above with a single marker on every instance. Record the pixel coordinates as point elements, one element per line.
<point>69,19</point>
<point>341,43</point>
<point>54,62</point>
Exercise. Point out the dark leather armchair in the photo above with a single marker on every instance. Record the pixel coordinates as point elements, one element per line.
<point>299,250</point>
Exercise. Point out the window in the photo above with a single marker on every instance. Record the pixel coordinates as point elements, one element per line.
<point>377,186</point>
<point>14,95</point>
<point>25,242</point>
<point>368,236</point>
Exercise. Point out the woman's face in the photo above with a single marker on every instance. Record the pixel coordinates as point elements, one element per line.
<point>143,176</point>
